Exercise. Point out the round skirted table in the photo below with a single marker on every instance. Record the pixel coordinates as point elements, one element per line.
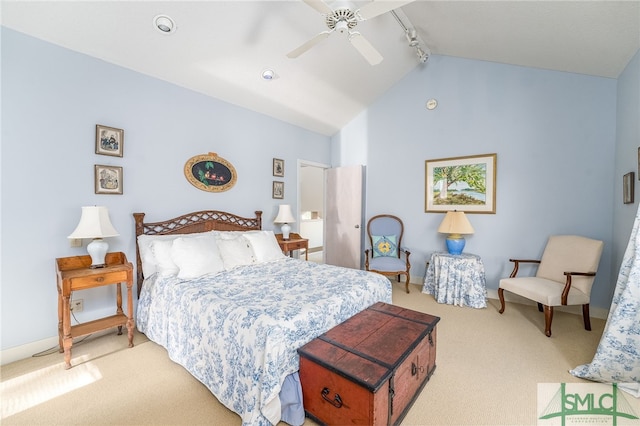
<point>456,279</point>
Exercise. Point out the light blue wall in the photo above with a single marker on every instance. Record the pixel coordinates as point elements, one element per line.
<point>52,99</point>
<point>561,157</point>
<point>627,156</point>
<point>554,135</point>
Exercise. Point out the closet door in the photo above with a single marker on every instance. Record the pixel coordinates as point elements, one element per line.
<point>344,220</point>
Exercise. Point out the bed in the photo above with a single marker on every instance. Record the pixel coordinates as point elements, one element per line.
<point>217,292</point>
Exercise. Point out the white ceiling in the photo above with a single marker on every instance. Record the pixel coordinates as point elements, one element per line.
<point>220,48</point>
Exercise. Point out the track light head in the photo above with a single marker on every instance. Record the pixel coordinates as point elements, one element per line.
<point>412,37</point>
<point>421,54</point>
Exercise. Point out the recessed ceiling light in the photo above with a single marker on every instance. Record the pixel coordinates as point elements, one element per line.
<point>164,24</point>
<point>268,74</point>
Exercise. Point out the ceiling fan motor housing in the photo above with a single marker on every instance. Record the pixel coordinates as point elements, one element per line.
<point>342,20</point>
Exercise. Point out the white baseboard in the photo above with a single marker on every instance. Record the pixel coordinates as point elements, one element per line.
<point>26,351</point>
<point>594,311</point>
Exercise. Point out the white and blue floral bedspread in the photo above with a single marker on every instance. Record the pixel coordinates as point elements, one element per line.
<point>238,331</point>
<point>617,359</point>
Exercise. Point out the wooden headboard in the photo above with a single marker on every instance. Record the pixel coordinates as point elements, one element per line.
<point>203,221</point>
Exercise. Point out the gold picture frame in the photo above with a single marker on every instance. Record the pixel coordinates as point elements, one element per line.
<point>278,167</point>
<point>108,179</point>
<point>277,190</point>
<point>109,141</point>
<point>211,173</point>
<point>465,184</point>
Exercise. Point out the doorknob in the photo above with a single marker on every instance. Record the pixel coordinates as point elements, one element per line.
<point>357,226</point>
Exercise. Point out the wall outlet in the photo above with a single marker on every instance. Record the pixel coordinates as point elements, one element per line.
<point>75,242</point>
<point>77,305</point>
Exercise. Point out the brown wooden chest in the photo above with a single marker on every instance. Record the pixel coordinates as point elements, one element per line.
<point>369,369</point>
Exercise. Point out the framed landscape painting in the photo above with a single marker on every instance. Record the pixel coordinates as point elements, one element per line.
<point>465,184</point>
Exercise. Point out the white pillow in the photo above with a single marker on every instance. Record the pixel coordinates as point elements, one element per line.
<point>235,250</point>
<point>162,253</point>
<point>196,256</point>
<point>147,256</point>
<point>264,245</point>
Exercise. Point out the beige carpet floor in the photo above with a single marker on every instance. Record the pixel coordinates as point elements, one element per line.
<point>488,369</point>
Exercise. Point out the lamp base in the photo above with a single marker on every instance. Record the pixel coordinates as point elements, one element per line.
<point>97,249</point>
<point>286,230</point>
<point>455,243</point>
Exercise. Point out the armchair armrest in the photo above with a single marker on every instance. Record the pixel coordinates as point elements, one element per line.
<point>405,251</point>
<point>567,285</point>
<point>517,265</point>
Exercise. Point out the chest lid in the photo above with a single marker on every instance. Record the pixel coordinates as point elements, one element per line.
<point>369,346</point>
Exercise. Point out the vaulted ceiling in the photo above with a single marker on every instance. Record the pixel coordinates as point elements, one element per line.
<point>221,48</point>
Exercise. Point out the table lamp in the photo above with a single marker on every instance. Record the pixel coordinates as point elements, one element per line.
<point>455,224</point>
<point>95,223</point>
<point>285,217</point>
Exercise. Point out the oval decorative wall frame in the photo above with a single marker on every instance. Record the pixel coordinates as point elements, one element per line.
<point>210,173</point>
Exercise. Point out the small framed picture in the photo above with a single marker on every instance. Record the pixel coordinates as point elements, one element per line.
<point>109,141</point>
<point>278,190</point>
<point>628,187</point>
<point>108,179</point>
<point>278,167</point>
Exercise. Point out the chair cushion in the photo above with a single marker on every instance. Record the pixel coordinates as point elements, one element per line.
<point>570,253</point>
<point>387,264</point>
<point>384,245</point>
<point>542,290</point>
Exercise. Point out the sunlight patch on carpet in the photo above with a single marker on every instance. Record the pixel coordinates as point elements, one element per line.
<point>27,391</point>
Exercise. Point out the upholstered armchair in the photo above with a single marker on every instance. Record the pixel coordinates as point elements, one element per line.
<point>564,276</point>
<point>386,253</point>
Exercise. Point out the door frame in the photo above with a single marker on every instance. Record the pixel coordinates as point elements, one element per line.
<point>307,163</point>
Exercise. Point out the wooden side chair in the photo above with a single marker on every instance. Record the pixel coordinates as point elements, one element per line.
<point>386,252</point>
<point>564,276</point>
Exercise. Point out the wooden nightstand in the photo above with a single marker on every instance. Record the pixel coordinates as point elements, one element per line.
<point>295,242</point>
<point>74,273</point>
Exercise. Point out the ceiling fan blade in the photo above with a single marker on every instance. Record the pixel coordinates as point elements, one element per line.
<point>319,5</point>
<point>375,8</point>
<point>365,48</point>
<point>308,45</point>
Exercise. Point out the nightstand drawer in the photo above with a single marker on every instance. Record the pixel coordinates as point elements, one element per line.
<point>297,245</point>
<point>89,281</point>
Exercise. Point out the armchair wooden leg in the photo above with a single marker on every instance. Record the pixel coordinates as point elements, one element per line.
<point>548,317</point>
<point>501,296</point>
<point>585,314</point>
<point>406,283</point>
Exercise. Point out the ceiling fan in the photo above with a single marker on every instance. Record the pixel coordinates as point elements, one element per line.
<point>342,17</point>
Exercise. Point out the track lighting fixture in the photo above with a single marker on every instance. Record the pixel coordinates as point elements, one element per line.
<point>412,37</point>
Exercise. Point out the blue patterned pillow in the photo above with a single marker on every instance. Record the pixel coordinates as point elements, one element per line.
<point>385,245</point>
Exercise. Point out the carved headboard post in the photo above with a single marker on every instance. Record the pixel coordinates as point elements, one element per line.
<point>139,218</point>
<point>259,218</point>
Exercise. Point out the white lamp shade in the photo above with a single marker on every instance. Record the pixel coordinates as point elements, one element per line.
<point>94,223</point>
<point>455,222</point>
<point>285,215</point>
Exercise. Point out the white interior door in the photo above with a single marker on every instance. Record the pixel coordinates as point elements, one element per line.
<point>344,237</point>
